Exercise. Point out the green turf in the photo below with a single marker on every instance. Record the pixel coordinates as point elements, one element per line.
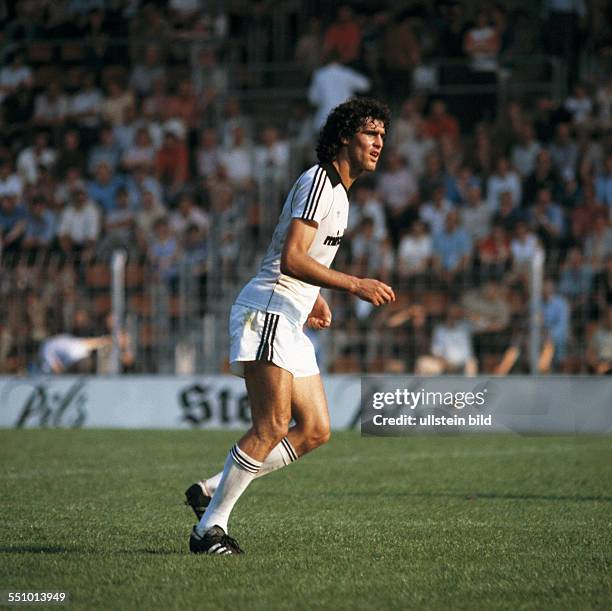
<point>491,522</point>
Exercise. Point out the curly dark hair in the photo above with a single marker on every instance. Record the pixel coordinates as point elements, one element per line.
<point>344,122</point>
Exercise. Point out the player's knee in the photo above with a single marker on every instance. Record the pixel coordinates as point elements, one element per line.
<point>273,430</point>
<point>317,436</point>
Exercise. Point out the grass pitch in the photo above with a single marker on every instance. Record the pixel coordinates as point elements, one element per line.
<point>479,522</point>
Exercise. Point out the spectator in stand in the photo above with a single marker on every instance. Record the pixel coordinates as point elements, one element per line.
<point>343,37</point>
<point>547,220</point>
<point>524,246</point>
<point>145,73</point>
<point>10,181</point>
<point>233,117</point>
<point>40,227</point>
<point>85,109</point>
<point>418,149</point>
<point>141,153</point>
<point>79,227</point>
<point>187,213</point>
<point>103,188</point>
<point>209,77</point>
<point>117,102</point>
<point>125,132</point>
<point>564,151</point>
<point>31,158</point>
<point>556,322</point>
<point>452,249</point>
<point>544,175</point>
<point>18,112</point>
<point>271,157</point>
<point>414,253</point>
<point>433,213</point>
<point>598,244</point>
<point>365,202</point>
<point>580,106</point>
<point>70,154</point>
<point>183,105</point>
<point>51,106</point>
<point>603,97</point>
<point>582,217</point>
<point>164,252</point>
<point>15,75</point>
<point>208,155</point>
<point>331,85</point>
<point>482,151</point>
<point>507,215</point>
<point>405,126</point>
<point>525,151</point>
<point>150,211</point>
<point>237,159</point>
<point>12,223</point>
<point>398,189</point>
<point>599,352</point>
<point>119,227</point>
<point>476,215</point>
<point>432,177</point>
<point>309,47</point>
<point>451,347</point>
<point>494,253</point>
<point>142,179</point>
<point>576,279</point>
<point>194,257</point>
<point>504,180</point>
<point>439,122</point>
<point>458,185</point>
<point>106,150</point>
<point>172,163</point>
<point>369,255</point>
<point>63,193</point>
<point>603,184</point>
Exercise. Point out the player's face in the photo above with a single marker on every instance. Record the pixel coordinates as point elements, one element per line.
<point>365,147</point>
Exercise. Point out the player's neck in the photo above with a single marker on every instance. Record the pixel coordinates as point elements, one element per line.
<point>348,173</point>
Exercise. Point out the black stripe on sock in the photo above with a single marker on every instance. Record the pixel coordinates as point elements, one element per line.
<point>242,462</point>
<point>289,448</point>
<point>245,458</point>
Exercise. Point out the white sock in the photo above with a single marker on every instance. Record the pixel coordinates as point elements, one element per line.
<point>281,455</point>
<point>239,471</point>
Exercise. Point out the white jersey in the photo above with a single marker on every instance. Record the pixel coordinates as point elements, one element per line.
<point>318,195</point>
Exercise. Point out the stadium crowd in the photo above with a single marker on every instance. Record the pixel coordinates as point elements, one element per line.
<point>125,125</point>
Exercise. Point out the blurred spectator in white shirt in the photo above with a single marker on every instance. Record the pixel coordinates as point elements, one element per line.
<point>31,158</point>
<point>525,151</point>
<point>503,180</point>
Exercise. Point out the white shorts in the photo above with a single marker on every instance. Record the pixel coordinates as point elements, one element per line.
<point>272,338</point>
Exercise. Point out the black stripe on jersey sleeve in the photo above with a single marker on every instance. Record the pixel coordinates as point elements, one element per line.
<point>315,192</point>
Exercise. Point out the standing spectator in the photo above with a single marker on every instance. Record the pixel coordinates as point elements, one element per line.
<point>503,180</point>
<point>331,85</point>
<point>343,37</point>
<point>51,106</point>
<point>172,163</point>
<point>35,156</point>
<point>79,226</point>
<point>564,151</point>
<point>525,151</point>
<point>603,184</point>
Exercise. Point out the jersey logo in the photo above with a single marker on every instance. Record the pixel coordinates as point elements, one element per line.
<point>331,240</point>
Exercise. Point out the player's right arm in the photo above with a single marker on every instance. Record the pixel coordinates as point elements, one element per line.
<point>297,263</point>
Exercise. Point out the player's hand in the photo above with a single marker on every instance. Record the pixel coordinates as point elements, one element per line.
<point>320,316</point>
<point>374,291</point>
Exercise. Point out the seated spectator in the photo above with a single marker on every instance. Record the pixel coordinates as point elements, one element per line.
<point>556,319</point>
<point>603,97</point>
<point>370,256</point>
<point>144,73</point>
<point>187,213</point>
<point>405,127</point>
<point>31,158</point>
<point>209,76</point>
<point>525,151</point>
<point>119,227</point>
<point>433,213</point>
<point>524,246</point>
<point>476,215</point>
<point>343,37</point>
<point>564,151</point>
<point>106,150</point>
<point>432,177</point>
<point>237,159</point>
<point>116,102</point>
<point>63,193</point>
<point>70,155</point>
<point>140,153</point>
<point>15,75</point>
<point>40,227</point>
<point>414,252</point>
<point>12,222</point>
<point>576,278</point>
<point>599,351</point>
<point>508,215</point>
<point>85,108</point>
<point>452,248</point>
<point>365,202</point>
<point>547,220</point>
<point>544,175</point>
<point>10,181</point>
<point>208,155</point>
<point>418,149</point>
<point>580,106</point>
<point>142,179</point>
<point>51,106</point>
<point>439,122</point>
<point>150,210</point>
<point>504,180</point>
<point>79,226</point>
<point>582,217</point>
<point>183,105</point>
<point>172,163</point>
<point>194,257</point>
<point>598,244</point>
<point>271,157</point>
<point>103,188</point>
<point>164,252</point>
<point>603,184</point>
<point>451,347</point>
<point>458,183</point>
<point>494,253</point>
